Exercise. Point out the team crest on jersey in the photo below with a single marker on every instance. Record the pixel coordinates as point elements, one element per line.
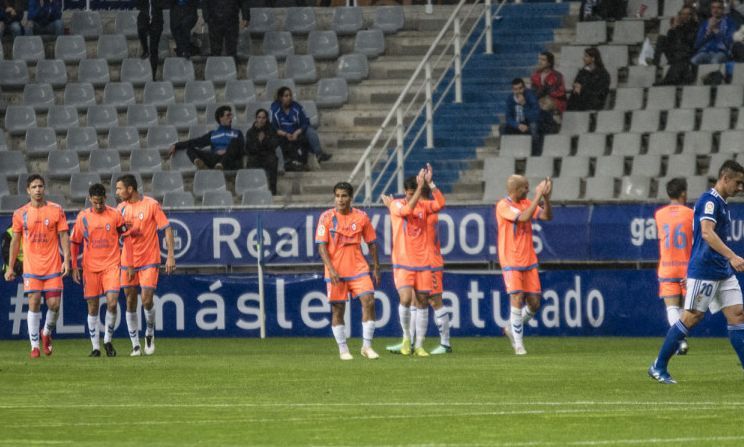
<point>46,222</point>
<point>709,207</point>
<point>353,227</point>
<point>141,216</point>
<point>321,230</point>
<point>26,282</point>
<point>108,227</point>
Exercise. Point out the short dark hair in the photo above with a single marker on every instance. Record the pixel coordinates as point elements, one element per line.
<point>717,1</point>
<point>262,110</point>
<point>676,187</point>
<point>221,110</point>
<point>410,183</point>
<point>128,180</point>
<point>33,177</point>
<point>97,190</point>
<point>517,81</point>
<point>281,92</point>
<point>344,186</point>
<point>730,166</point>
<point>550,57</point>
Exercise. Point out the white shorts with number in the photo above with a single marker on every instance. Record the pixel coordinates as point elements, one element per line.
<point>713,295</point>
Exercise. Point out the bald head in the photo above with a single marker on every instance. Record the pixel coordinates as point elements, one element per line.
<point>517,187</point>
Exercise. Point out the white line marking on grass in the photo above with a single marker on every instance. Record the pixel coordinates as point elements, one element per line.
<point>590,443</point>
<point>31,442</point>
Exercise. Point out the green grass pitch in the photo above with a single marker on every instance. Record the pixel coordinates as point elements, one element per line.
<point>219,392</point>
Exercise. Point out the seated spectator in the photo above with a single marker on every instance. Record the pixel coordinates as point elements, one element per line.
<point>11,17</point>
<point>260,145</point>
<point>591,85</point>
<point>523,115</point>
<point>714,37</point>
<point>226,145</point>
<point>45,17</point>
<point>548,86</point>
<point>593,10</point>
<point>678,46</point>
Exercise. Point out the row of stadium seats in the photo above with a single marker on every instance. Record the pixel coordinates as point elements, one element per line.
<point>644,121</point>
<point>671,97</point>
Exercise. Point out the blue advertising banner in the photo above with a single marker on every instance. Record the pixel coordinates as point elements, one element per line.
<point>575,303</point>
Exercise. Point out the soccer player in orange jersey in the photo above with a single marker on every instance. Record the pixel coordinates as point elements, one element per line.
<point>340,232</point>
<point>674,227</point>
<point>411,258</point>
<point>99,228</point>
<point>42,226</point>
<point>143,218</point>
<point>514,215</point>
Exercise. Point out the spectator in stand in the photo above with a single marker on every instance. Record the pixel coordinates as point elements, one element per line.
<point>678,47</point>
<point>261,142</point>
<point>547,83</point>
<point>226,145</point>
<point>523,115</point>
<point>150,29</point>
<point>45,17</point>
<point>715,37</point>
<point>592,10</point>
<point>11,17</point>
<point>223,18</point>
<point>591,85</point>
<point>183,17</point>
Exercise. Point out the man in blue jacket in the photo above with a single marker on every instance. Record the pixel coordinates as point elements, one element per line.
<point>523,115</point>
<point>715,37</point>
<point>45,17</point>
<point>226,145</point>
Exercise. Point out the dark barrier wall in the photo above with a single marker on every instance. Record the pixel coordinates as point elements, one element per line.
<point>100,4</point>
<point>576,303</point>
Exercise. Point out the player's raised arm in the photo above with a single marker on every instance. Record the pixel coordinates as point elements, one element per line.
<point>547,208</point>
<point>439,201</point>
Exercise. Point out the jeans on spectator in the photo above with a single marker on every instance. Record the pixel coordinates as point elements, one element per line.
<point>54,28</point>
<point>709,57</point>
<point>15,28</point>
<point>231,160</point>
<point>313,140</point>
<point>534,131</point>
<point>182,21</point>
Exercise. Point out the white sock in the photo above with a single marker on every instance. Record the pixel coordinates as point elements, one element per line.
<point>412,323</point>
<point>339,333</point>
<point>93,331</point>
<point>517,326</point>
<point>368,333</point>
<point>34,320</point>
<point>441,316</point>
<point>51,321</point>
<point>527,314</point>
<point>150,322</point>
<point>133,328</point>
<point>672,314</point>
<point>404,314</point>
<point>110,320</point>
<point>422,323</point>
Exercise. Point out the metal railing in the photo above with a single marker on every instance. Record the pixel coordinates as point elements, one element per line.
<point>376,156</point>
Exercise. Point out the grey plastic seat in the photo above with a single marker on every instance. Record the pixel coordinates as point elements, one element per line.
<point>81,182</point>
<point>599,188</point>
<point>12,163</point>
<point>323,44</point>
<point>199,130</point>
<point>610,166</point>
<point>557,145</point>
<point>575,123</point>
<point>166,181</point>
<point>680,120</point>
<point>80,95</point>
<point>217,198</point>
<point>628,32</point>
<point>240,91</point>
<point>278,43</point>
<point>389,19</point>
<point>82,139</point>
<point>182,116</point>
<point>332,92</point>
<point>647,165</point>
<point>614,56</point>
<point>738,77</point>
<point>716,161</point>
<point>539,167</point>
<point>208,180</point>
<point>178,70</point>
<point>180,162</point>
<point>199,93</point>
<point>86,23</point>
<point>696,186</point>
<point>635,188</point>
<point>682,165</point>
<point>347,20</point>
<point>62,163</point>
<point>698,143</point>
<point>662,143</point>
<point>661,98</point>
<point>220,69</point>
<point>566,188</point>
<point>161,137</point>
<point>300,20</point>
<point>136,71</point>
<point>142,116</point>
<point>104,161</point>
<point>301,68</point>
<point>592,144</point>
<point>145,161</point>
<point>353,67</point>
<point>38,96</point>
<point>118,94</point>
<point>716,119</point>
<point>123,139</point>
<point>695,96</point>
<point>61,118</point>
<point>704,70</point>
<point>273,85</point>
<point>311,111</point>
<point>19,118</point>
<point>95,71</point>
<point>12,202</point>
<point>112,47</point>
<point>517,146</point>
<point>125,23</point>
<point>262,68</point>
<point>262,20</point>
<point>370,43</point>
<point>628,144</point>
<point>645,121</point>
<point>610,121</point>
<point>729,96</point>
<point>250,180</point>
<point>495,172</point>
<point>40,140</point>
<point>102,117</point>
<point>4,190</point>
<point>257,198</point>
<point>50,71</point>
<point>3,141</point>
<point>572,55</point>
<point>28,48</point>
<point>178,199</point>
<point>245,47</point>
<point>641,76</point>
<point>731,141</point>
<point>591,33</point>
<point>159,94</point>
<point>70,48</point>
<point>13,74</point>
<point>630,98</point>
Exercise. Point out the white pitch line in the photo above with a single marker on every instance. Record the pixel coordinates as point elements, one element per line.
<point>646,441</point>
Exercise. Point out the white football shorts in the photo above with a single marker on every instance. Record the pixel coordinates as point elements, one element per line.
<point>713,295</point>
